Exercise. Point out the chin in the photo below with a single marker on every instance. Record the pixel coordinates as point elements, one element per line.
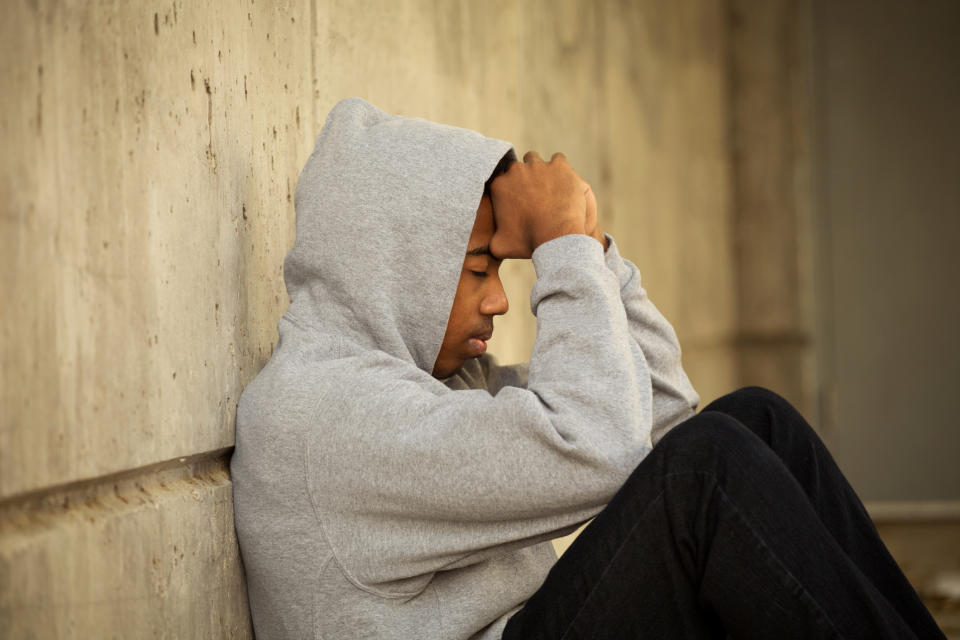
<point>442,372</point>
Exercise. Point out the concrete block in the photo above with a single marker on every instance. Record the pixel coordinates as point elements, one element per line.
<point>145,207</point>
<point>148,554</point>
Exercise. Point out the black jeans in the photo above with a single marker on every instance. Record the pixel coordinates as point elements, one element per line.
<point>738,523</point>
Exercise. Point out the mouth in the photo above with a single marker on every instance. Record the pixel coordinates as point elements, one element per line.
<point>478,343</point>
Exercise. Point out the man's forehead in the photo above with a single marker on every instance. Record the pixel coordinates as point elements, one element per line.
<point>483,228</point>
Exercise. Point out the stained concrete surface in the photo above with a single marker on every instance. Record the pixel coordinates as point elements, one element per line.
<point>151,154</point>
<point>147,555</point>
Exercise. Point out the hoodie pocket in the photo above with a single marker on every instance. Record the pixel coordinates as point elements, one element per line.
<point>343,610</point>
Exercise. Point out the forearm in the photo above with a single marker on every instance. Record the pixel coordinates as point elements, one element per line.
<point>674,398</point>
<point>584,364</point>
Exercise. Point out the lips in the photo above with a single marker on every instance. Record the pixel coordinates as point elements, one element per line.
<point>478,343</point>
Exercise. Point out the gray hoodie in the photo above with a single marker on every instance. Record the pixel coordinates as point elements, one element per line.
<point>375,501</point>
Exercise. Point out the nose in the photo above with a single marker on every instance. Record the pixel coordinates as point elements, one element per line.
<point>494,302</point>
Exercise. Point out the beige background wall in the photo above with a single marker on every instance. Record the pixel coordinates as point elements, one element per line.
<point>150,152</point>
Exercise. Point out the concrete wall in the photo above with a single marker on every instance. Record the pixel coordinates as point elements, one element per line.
<point>771,110</point>
<point>150,155</point>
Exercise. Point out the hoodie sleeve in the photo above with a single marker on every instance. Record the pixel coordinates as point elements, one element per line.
<point>422,479</point>
<point>674,398</point>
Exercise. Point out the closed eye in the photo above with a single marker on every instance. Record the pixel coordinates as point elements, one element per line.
<point>479,274</point>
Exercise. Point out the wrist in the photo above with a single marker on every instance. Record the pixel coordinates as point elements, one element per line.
<point>557,232</point>
<point>600,237</point>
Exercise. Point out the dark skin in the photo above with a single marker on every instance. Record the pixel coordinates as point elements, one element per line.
<point>532,203</point>
<point>479,298</point>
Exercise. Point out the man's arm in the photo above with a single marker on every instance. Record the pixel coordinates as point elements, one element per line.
<point>674,398</point>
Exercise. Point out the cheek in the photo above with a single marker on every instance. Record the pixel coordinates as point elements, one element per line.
<point>458,321</point>
<point>465,303</point>
<point>456,314</point>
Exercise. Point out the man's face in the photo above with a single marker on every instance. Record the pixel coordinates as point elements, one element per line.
<point>480,296</point>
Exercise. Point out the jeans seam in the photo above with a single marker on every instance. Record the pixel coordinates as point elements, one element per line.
<point>606,569</point>
<point>739,512</point>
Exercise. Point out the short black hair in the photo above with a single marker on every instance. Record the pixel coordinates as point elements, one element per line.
<point>508,159</point>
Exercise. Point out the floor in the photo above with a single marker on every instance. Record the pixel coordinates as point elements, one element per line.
<point>929,554</point>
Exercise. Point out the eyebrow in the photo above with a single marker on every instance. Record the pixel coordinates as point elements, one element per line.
<point>480,251</point>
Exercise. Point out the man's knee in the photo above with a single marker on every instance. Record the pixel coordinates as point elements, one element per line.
<point>706,438</point>
<point>775,422</point>
<point>708,445</point>
<point>753,396</point>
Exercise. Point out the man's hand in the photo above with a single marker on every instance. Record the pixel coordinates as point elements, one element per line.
<point>535,202</point>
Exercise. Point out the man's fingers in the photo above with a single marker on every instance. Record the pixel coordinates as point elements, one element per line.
<point>591,199</point>
<point>532,156</point>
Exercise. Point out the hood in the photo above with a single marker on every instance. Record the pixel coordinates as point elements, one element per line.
<point>384,210</point>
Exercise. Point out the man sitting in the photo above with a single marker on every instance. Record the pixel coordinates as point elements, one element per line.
<point>392,480</point>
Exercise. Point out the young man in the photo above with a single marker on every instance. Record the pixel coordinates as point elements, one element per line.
<point>391,480</point>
